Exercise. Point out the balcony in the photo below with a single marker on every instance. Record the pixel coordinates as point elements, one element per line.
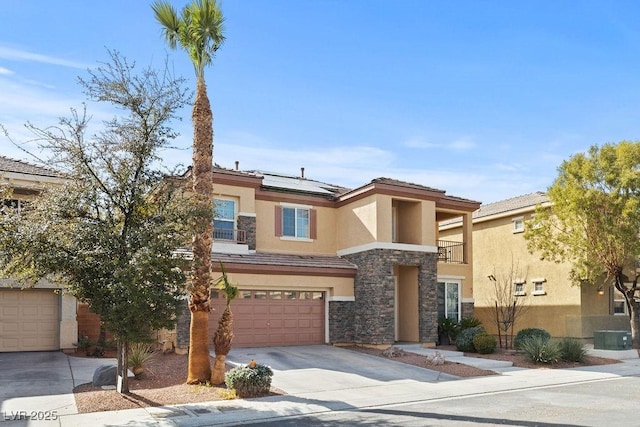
<point>230,235</point>
<point>450,252</point>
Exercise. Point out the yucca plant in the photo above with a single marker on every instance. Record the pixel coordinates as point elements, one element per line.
<point>140,354</point>
<point>541,350</point>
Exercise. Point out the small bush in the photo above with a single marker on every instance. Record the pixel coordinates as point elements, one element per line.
<point>140,354</point>
<point>572,350</point>
<point>248,381</point>
<point>538,349</point>
<point>485,343</point>
<point>528,333</point>
<point>449,328</point>
<point>470,322</point>
<point>464,342</point>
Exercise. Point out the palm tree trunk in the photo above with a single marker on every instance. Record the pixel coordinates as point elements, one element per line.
<point>222,344</point>
<point>199,365</point>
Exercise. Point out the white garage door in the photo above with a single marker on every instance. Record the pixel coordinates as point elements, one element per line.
<point>273,318</point>
<point>29,320</point>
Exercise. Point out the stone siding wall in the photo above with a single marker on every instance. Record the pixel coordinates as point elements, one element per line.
<point>248,224</point>
<point>467,309</point>
<point>341,321</point>
<point>374,288</point>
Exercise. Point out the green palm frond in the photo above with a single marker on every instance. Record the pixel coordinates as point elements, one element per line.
<point>199,30</point>
<point>222,283</point>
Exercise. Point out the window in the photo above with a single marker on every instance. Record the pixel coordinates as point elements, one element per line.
<point>619,304</point>
<point>538,286</point>
<point>451,300</point>
<point>518,225</point>
<point>12,205</point>
<point>224,219</point>
<point>518,288</point>
<point>295,222</point>
<point>298,222</point>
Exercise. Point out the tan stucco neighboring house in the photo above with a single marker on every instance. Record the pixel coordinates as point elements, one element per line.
<point>318,263</point>
<point>543,286</point>
<point>41,317</point>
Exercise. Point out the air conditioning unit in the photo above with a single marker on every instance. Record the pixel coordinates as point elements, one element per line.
<point>611,340</point>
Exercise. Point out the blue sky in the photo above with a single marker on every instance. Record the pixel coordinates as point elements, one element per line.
<point>483,99</point>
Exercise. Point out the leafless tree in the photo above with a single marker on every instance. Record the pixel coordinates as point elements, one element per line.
<point>510,304</point>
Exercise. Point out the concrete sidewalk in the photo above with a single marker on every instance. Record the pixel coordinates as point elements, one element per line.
<point>315,381</point>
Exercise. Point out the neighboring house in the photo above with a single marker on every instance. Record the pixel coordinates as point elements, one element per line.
<point>38,318</point>
<point>553,302</point>
<point>317,263</point>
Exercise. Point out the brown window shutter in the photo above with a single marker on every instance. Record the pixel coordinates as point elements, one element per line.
<point>278,221</point>
<point>313,224</point>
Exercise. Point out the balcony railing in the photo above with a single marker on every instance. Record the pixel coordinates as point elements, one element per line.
<point>225,235</point>
<point>450,252</point>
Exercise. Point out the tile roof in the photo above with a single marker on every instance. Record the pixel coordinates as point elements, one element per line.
<point>19,166</point>
<point>508,205</point>
<point>405,184</point>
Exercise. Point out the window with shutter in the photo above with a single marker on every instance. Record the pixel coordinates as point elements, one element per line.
<point>295,222</point>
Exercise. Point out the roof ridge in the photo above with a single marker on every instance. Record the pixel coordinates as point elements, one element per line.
<point>8,164</point>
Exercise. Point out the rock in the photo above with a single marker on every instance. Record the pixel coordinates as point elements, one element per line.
<point>435,359</point>
<point>105,375</point>
<point>393,352</point>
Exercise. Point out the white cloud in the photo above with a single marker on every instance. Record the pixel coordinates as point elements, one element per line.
<point>23,55</point>
<point>458,145</point>
<point>5,71</point>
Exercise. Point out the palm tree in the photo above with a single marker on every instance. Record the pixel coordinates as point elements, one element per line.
<point>224,334</point>
<point>199,31</point>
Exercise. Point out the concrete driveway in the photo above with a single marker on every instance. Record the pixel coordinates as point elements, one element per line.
<point>40,384</point>
<point>321,368</point>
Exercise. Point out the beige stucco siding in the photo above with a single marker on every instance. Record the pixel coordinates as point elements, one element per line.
<point>245,196</point>
<point>356,223</point>
<point>561,308</point>
<point>267,240</point>
<point>336,286</point>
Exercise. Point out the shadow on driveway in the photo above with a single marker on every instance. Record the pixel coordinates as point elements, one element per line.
<point>308,369</point>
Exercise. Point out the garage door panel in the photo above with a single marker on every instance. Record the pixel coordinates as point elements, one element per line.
<point>276,324</point>
<point>260,309</point>
<point>270,318</point>
<point>290,309</point>
<point>290,323</point>
<point>29,320</point>
<point>276,310</point>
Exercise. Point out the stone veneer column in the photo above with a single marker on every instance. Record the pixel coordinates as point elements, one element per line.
<point>374,289</point>
<point>467,309</point>
<point>341,321</point>
<point>248,224</point>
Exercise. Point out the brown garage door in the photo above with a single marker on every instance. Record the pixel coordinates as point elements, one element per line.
<point>270,318</point>
<point>29,320</point>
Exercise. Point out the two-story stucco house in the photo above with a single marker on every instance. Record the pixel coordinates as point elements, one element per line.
<point>544,287</point>
<point>318,263</point>
<point>42,317</point>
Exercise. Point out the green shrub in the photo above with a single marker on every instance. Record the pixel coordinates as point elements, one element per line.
<point>470,322</point>
<point>449,328</point>
<point>538,349</point>
<point>139,355</point>
<point>572,350</point>
<point>249,381</point>
<point>485,343</point>
<point>464,341</point>
<point>528,333</point>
